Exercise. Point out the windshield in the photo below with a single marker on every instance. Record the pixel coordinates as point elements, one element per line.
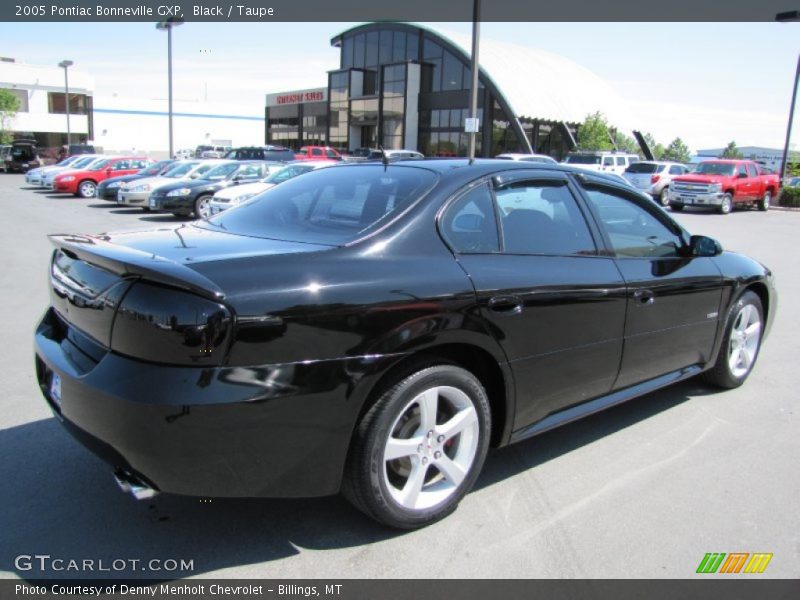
<point>66,162</point>
<point>98,165</point>
<point>287,173</point>
<point>644,168</point>
<point>716,168</point>
<point>221,171</point>
<point>582,159</point>
<point>180,170</point>
<point>327,206</point>
<point>84,162</point>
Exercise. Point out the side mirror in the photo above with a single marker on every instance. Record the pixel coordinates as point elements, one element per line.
<point>700,245</point>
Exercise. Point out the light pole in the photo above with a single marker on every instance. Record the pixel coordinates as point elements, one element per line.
<point>168,25</point>
<point>784,17</point>
<point>472,127</point>
<point>66,64</point>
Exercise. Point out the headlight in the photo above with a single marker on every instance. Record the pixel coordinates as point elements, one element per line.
<point>114,184</point>
<point>242,198</point>
<point>67,178</point>
<point>139,188</point>
<point>715,187</point>
<point>180,192</point>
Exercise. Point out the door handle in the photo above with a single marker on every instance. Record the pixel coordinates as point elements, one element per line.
<point>644,297</point>
<point>509,305</point>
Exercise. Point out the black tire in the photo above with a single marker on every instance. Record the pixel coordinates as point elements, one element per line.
<point>664,196</point>
<point>373,484</point>
<point>722,374</point>
<point>87,189</point>
<point>676,207</point>
<point>201,206</point>
<point>726,206</point>
<point>764,203</point>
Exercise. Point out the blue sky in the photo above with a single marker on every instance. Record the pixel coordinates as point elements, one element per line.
<point>708,83</point>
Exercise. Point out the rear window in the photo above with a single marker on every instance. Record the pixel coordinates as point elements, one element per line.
<point>330,206</point>
<point>582,159</point>
<point>644,168</point>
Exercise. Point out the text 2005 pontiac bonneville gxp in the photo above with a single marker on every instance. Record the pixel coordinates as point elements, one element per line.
<point>374,328</point>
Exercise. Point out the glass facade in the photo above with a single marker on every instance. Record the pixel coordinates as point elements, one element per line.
<point>402,87</point>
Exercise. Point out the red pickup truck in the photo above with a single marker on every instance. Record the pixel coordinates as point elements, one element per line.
<point>724,184</point>
<point>317,153</point>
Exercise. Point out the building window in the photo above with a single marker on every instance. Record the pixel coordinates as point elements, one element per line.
<point>22,96</point>
<point>347,52</point>
<point>57,105</point>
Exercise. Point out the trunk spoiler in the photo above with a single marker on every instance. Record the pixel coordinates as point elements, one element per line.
<point>128,262</point>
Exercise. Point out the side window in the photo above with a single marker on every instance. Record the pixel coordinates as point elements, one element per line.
<point>542,218</point>
<point>741,170</point>
<point>633,231</point>
<point>676,170</point>
<point>751,170</point>
<point>316,152</point>
<point>470,225</point>
<point>608,161</point>
<point>121,164</point>
<point>330,153</point>
<point>620,161</point>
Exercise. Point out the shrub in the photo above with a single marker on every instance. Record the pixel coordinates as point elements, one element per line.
<point>790,197</point>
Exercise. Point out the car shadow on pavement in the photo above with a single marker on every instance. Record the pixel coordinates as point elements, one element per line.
<point>165,218</point>
<point>126,211</point>
<point>58,499</point>
<point>511,460</point>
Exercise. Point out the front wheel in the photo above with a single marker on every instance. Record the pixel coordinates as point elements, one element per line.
<point>202,207</point>
<point>741,343</point>
<point>419,448</point>
<point>87,189</point>
<point>726,205</point>
<point>664,196</point>
<point>763,204</point>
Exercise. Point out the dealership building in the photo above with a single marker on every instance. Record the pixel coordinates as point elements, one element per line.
<point>405,86</point>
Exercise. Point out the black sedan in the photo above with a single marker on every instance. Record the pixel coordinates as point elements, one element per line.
<point>375,328</point>
<point>107,190</point>
<point>187,198</point>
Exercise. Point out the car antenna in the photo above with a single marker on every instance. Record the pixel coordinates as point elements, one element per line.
<point>384,160</point>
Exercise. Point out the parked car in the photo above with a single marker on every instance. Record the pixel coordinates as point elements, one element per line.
<point>22,157</point>
<point>192,197</point>
<point>86,161</point>
<point>603,162</point>
<point>654,177</point>
<point>373,329</point>
<point>212,151</point>
<point>5,154</point>
<point>723,185</point>
<point>83,183</point>
<point>540,158</point>
<point>362,154</point>
<point>137,193</point>
<point>233,196</point>
<point>317,153</point>
<point>184,154</point>
<point>108,189</point>
<point>36,176</point>
<point>272,153</point>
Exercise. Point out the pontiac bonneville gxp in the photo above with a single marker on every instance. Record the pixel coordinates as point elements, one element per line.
<point>374,328</point>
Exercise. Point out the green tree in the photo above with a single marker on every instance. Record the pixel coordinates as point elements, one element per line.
<point>626,143</point>
<point>9,105</point>
<point>731,151</point>
<point>676,151</point>
<point>594,134</point>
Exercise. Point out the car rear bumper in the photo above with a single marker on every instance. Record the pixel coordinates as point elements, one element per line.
<point>279,430</point>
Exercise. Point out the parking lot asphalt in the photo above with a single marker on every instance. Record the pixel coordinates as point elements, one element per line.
<point>642,490</point>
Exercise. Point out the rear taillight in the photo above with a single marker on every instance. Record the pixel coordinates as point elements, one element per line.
<point>654,178</point>
<point>166,325</point>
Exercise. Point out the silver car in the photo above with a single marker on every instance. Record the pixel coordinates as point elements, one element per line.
<point>536,158</point>
<point>654,177</point>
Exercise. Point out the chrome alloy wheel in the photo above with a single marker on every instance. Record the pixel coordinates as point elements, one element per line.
<point>431,446</point>
<point>744,340</point>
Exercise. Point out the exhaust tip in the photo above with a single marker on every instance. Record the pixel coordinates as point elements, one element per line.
<point>130,484</point>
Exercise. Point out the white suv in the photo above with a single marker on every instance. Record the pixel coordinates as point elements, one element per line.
<point>654,177</point>
<point>604,162</point>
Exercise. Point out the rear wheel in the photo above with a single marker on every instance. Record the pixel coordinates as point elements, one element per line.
<point>763,204</point>
<point>87,189</point>
<point>726,205</point>
<point>419,448</point>
<point>202,207</point>
<point>741,343</point>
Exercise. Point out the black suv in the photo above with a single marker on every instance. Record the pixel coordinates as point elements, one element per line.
<point>261,153</point>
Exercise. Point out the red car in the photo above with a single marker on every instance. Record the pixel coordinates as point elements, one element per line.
<point>83,183</point>
<point>317,153</point>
